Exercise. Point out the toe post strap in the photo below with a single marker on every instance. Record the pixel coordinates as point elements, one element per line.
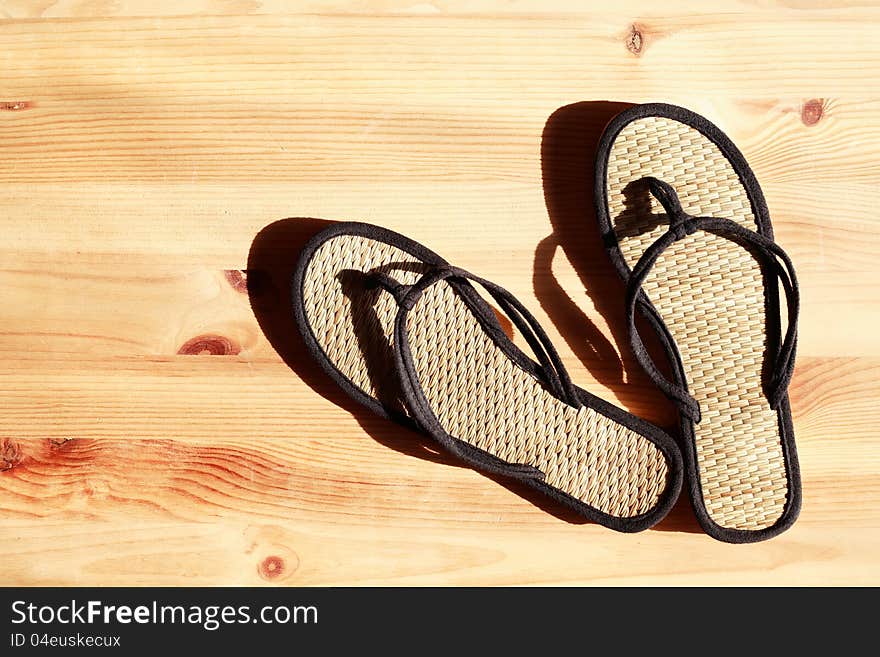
<point>681,225</point>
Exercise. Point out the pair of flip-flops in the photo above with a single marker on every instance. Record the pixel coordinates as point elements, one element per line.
<point>412,338</point>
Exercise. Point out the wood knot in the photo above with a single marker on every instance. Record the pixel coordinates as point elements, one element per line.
<point>15,105</point>
<point>237,278</point>
<point>10,454</point>
<point>812,111</point>
<point>272,567</point>
<point>634,40</point>
<point>58,443</point>
<point>209,345</point>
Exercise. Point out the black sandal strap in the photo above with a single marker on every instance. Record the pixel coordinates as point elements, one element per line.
<point>681,225</point>
<point>556,375</point>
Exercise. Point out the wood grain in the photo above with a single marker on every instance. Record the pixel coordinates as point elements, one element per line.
<point>156,157</point>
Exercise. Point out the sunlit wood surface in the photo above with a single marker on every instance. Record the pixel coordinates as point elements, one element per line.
<point>160,423</point>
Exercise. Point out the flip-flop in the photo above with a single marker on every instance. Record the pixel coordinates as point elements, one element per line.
<point>407,335</point>
<point>687,227</point>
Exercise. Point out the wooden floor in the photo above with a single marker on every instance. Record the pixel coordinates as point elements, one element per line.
<point>160,423</point>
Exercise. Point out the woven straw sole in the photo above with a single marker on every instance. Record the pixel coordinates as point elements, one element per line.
<point>477,393</point>
<point>710,293</point>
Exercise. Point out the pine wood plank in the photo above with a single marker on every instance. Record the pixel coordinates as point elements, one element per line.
<point>151,152</point>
